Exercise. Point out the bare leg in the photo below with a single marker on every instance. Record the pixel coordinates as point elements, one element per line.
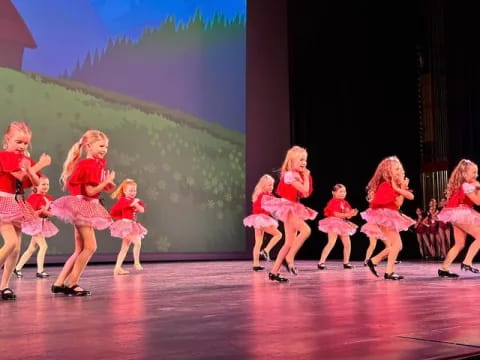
<point>347,247</point>
<point>118,270</point>
<point>459,238</point>
<point>276,237</point>
<point>137,245</point>
<point>67,268</point>
<point>371,247</point>
<point>14,236</point>
<point>257,246</point>
<point>331,240</point>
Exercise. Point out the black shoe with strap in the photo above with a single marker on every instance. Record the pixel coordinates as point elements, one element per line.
<point>72,292</point>
<point>59,289</point>
<point>265,255</point>
<point>258,268</point>
<point>8,294</point>
<point>392,276</point>
<point>18,273</point>
<point>321,266</point>
<point>466,267</point>
<point>277,277</point>
<point>348,266</point>
<point>42,275</point>
<point>371,267</point>
<point>447,274</point>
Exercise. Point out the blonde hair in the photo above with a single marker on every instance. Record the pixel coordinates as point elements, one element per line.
<point>457,178</point>
<point>259,188</point>
<point>19,126</point>
<point>119,191</point>
<point>382,173</point>
<point>293,152</point>
<point>75,152</point>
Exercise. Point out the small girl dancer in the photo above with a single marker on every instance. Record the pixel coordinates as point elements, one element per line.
<point>463,191</point>
<point>40,202</point>
<point>126,227</point>
<point>295,183</point>
<point>17,172</point>
<point>337,211</point>
<point>262,222</point>
<point>421,229</point>
<point>84,179</point>
<point>386,192</point>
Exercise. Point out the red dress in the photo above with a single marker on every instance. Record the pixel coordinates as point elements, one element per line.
<point>78,208</point>
<point>37,201</point>
<point>126,224</point>
<point>383,211</point>
<point>260,217</point>
<point>13,208</point>
<point>289,203</point>
<point>333,224</point>
<point>459,208</point>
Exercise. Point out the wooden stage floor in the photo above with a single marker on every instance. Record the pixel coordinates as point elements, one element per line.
<point>223,310</point>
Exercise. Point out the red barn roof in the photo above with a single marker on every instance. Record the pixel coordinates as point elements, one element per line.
<point>12,27</point>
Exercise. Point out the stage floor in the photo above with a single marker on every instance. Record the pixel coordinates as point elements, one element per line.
<point>223,310</point>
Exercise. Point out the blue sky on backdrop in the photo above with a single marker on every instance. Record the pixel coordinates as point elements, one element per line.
<point>65,30</point>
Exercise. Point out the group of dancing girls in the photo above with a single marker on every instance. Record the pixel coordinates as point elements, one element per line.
<point>85,178</point>
<point>386,192</point>
<point>433,235</point>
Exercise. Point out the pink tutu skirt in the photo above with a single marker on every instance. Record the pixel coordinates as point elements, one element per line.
<point>336,225</point>
<point>82,211</point>
<point>281,208</point>
<point>459,215</point>
<point>372,230</point>
<point>388,218</point>
<point>127,228</point>
<point>19,213</point>
<point>48,228</point>
<point>259,221</point>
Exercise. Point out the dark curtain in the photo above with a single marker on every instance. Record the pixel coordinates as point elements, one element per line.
<point>353,93</point>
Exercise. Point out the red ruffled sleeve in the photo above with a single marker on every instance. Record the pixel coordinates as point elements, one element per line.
<point>336,206</point>
<point>10,161</point>
<point>86,172</point>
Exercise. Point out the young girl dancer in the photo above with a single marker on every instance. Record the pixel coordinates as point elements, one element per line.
<point>386,192</point>
<point>337,211</point>
<point>463,191</point>
<point>421,230</point>
<point>295,183</point>
<point>40,202</point>
<point>262,222</point>
<point>17,172</point>
<point>84,179</point>
<point>126,227</point>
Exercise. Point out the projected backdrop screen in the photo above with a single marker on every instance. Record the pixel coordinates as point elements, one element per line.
<point>165,80</point>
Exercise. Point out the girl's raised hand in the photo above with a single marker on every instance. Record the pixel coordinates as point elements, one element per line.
<point>44,160</point>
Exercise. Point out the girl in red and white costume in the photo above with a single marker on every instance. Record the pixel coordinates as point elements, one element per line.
<point>374,232</point>
<point>386,193</point>
<point>463,191</point>
<point>17,172</point>
<point>126,227</point>
<point>40,201</point>
<point>295,183</point>
<point>262,222</point>
<point>84,179</point>
<point>337,211</point>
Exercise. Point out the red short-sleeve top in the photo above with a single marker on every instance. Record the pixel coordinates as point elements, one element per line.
<point>384,197</point>
<point>257,204</point>
<point>122,209</point>
<point>86,172</point>
<point>336,206</point>
<point>11,162</point>
<point>286,190</point>
<point>459,197</point>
